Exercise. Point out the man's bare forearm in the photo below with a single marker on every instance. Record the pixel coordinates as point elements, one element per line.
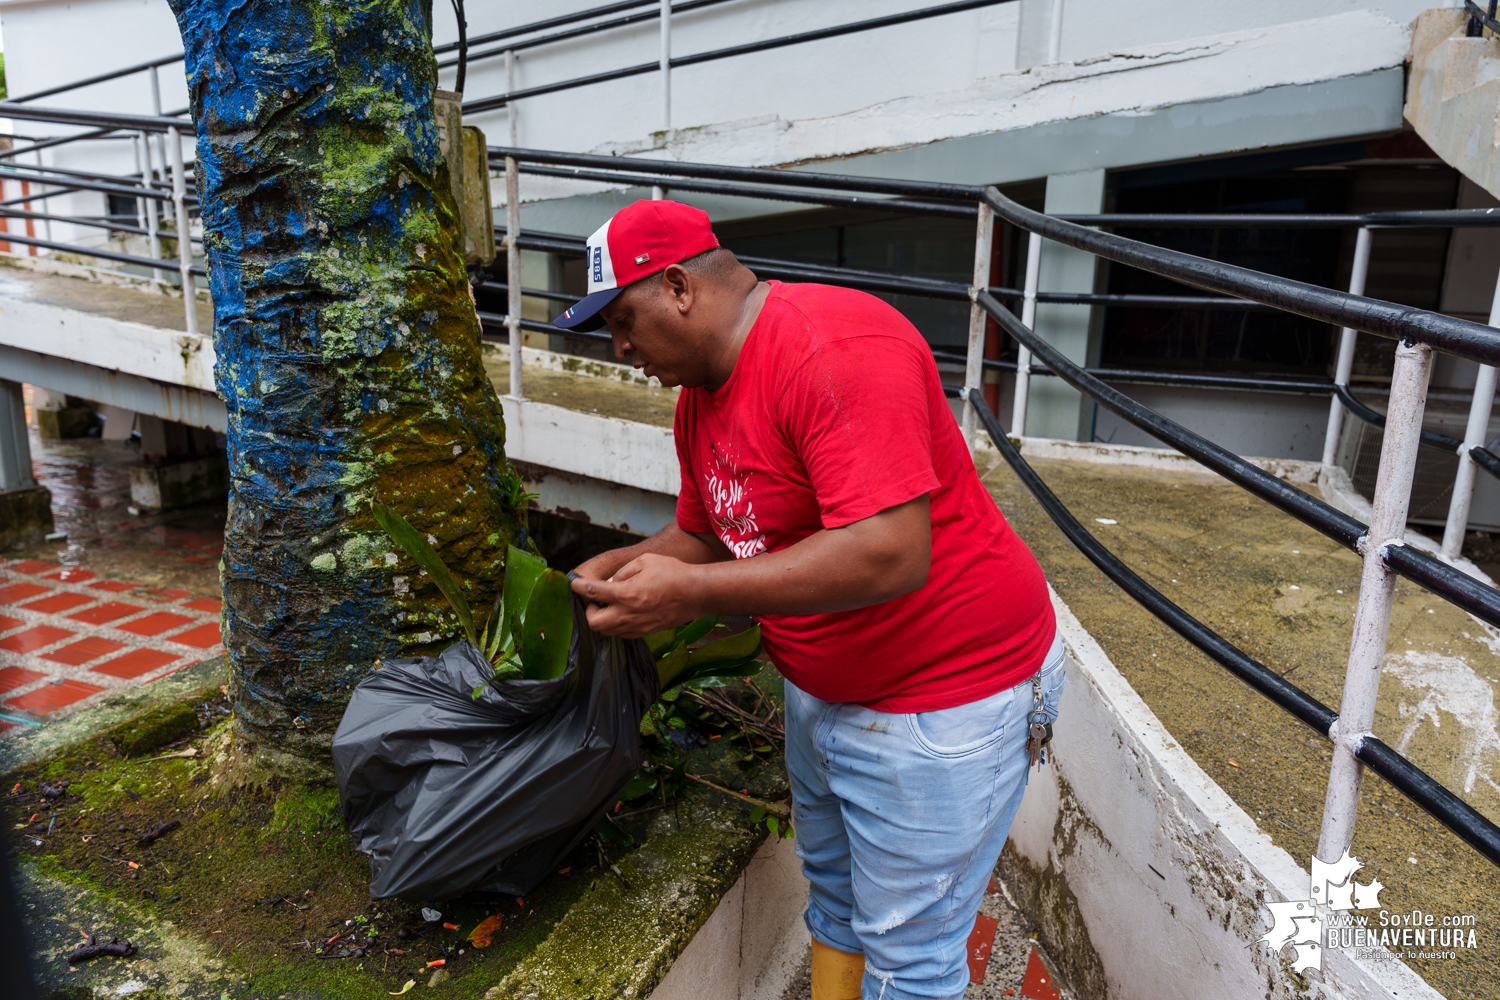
<point>857,565</point>
<point>670,541</point>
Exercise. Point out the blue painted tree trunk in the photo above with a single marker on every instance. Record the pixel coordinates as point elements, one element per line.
<point>348,351</point>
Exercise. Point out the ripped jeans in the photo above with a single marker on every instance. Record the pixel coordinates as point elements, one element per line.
<point>900,820</point>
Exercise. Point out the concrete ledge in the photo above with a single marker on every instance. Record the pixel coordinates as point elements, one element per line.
<point>590,444</point>
<point>25,517</point>
<point>755,941</point>
<point>1144,877</point>
<point>194,407</point>
<point>1290,469</point>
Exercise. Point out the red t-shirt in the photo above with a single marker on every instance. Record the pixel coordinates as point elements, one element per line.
<point>834,412</point>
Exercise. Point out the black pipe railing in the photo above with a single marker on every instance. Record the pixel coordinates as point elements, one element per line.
<point>1452,812</point>
<point>588,29</point>
<point>1482,456</point>
<point>168,266</point>
<point>1447,582</point>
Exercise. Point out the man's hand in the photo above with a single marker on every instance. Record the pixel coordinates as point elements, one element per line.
<point>675,576</point>
<point>650,593</point>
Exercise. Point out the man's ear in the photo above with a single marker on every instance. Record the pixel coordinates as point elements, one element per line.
<point>679,287</point>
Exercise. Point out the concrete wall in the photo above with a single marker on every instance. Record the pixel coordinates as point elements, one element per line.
<point>1270,425</point>
<point>1147,880</point>
<point>753,944</point>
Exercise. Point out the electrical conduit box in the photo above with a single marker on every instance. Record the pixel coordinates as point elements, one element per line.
<point>464,148</point>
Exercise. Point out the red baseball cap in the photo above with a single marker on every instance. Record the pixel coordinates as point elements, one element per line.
<point>639,240</point>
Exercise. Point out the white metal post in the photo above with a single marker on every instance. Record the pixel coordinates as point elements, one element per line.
<point>1372,613</point>
<point>1028,320</point>
<point>512,113</point>
<point>140,168</point>
<point>665,17</point>
<point>513,270</point>
<point>1346,348</point>
<point>152,240</point>
<point>974,366</point>
<point>1475,436</point>
<point>161,148</point>
<point>184,233</point>
<point>41,189</point>
<point>1054,45</point>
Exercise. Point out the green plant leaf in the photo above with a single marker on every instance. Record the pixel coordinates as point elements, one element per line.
<point>773,825</point>
<point>639,785</point>
<point>748,667</point>
<point>672,668</point>
<point>547,628</point>
<point>758,814</point>
<point>522,570</point>
<point>735,648</point>
<point>610,833</point>
<point>696,629</point>
<point>660,643</point>
<point>426,556</point>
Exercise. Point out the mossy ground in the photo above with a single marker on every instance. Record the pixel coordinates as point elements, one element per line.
<point>265,881</point>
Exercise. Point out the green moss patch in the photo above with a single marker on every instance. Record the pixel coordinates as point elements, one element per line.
<point>154,729</point>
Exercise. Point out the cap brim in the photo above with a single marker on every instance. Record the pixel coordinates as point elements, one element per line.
<point>584,314</point>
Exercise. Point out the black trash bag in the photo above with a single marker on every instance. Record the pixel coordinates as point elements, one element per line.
<point>448,794</point>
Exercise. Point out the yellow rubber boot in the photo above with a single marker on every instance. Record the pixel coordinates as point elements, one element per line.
<point>836,975</point>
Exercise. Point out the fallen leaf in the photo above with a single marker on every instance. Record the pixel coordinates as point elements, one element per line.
<point>405,989</point>
<point>1234,763</point>
<point>437,961</point>
<point>484,934</point>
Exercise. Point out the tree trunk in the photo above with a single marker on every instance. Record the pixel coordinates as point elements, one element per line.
<point>348,352</point>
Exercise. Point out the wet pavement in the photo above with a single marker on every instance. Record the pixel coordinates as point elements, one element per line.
<point>1285,594</point>
<point>126,598</point>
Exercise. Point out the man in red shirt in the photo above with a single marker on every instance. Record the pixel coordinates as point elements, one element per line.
<point>827,490</point>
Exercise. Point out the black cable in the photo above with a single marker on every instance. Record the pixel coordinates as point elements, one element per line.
<point>1447,582</point>
<point>1375,419</point>
<point>463,45</point>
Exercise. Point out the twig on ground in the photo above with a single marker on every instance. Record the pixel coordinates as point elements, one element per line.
<point>778,809</point>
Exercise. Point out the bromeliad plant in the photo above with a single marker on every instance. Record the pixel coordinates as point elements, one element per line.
<point>527,633</point>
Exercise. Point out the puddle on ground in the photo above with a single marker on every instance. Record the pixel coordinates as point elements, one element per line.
<point>90,484</point>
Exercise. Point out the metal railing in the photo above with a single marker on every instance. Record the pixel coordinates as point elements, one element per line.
<point>1381,544</point>
<point>158,144</point>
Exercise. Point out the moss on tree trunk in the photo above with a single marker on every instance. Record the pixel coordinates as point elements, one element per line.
<point>348,351</point>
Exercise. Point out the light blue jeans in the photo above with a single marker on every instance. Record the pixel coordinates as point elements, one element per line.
<point>900,820</point>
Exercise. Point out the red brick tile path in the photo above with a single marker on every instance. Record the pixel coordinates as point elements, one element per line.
<point>50,697</point>
<point>33,638</point>
<point>84,650</point>
<point>12,678</point>
<point>67,639</point>
<point>135,663</point>
<point>106,612</point>
<point>19,592</point>
<point>57,603</point>
<point>155,623</point>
